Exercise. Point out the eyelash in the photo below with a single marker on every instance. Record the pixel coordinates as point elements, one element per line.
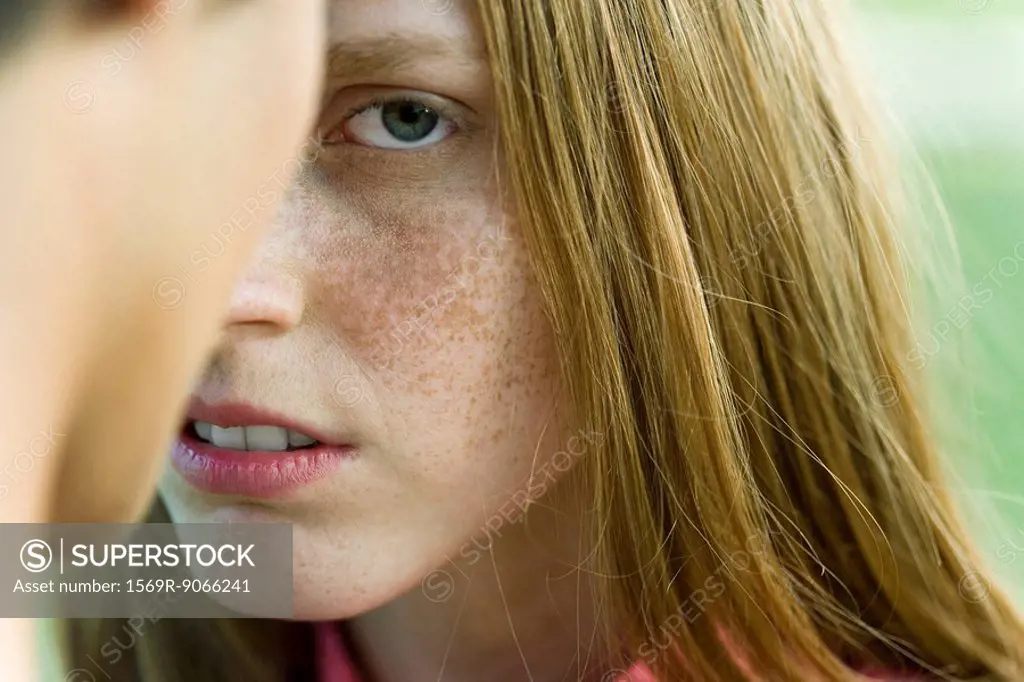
<point>381,102</point>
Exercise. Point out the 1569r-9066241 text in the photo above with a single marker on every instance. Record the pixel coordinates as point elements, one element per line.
<point>187,585</point>
<point>138,585</point>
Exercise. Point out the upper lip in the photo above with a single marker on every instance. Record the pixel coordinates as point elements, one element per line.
<point>242,414</point>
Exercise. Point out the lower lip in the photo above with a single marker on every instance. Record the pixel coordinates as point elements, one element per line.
<point>260,474</point>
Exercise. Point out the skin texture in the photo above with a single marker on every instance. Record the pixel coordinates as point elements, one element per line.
<point>393,307</point>
<point>102,203</point>
<point>107,354</point>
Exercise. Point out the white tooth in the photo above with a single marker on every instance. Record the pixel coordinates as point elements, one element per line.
<point>203,430</point>
<point>299,440</point>
<point>233,437</point>
<point>266,438</point>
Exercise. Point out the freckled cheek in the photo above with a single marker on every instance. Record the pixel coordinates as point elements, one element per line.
<point>386,305</point>
<point>393,296</point>
<point>486,387</point>
<point>461,317</point>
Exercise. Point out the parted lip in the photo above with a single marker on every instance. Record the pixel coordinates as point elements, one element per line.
<point>254,474</point>
<point>243,414</point>
<point>257,474</point>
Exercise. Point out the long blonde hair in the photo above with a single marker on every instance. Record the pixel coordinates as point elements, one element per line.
<point>717,231</point>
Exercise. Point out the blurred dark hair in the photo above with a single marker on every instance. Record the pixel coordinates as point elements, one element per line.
<point>16,20</point>
<point>19,18</point>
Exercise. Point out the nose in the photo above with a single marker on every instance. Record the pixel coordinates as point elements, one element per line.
<point>266,300</point>
<point>270,299</point>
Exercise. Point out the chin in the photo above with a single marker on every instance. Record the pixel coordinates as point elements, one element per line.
<point>333,576</point>
<point>337,579</point>
<point>322,601</point>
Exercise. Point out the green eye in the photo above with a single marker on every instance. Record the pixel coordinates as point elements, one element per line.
<point>403,123</point>
<point>409,121</point>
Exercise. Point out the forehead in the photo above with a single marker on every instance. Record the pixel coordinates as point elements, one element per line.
<point>447,21</point>
<point>435,45</point>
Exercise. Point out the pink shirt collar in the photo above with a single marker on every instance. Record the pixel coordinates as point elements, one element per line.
<point>334,664</point>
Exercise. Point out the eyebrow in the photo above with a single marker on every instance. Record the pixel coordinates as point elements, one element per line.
<point>392,52</point>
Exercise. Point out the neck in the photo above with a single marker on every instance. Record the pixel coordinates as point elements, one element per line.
<point>518,610</point>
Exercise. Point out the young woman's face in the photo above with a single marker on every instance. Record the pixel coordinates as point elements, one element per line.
<point>391,310</point>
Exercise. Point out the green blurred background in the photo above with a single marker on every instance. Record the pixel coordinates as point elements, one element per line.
<point>952,71</point>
